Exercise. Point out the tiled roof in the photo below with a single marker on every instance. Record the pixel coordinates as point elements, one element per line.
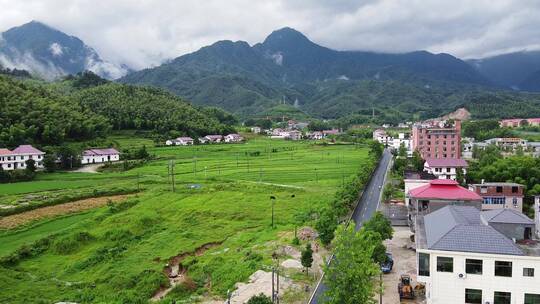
<point>446,162</point>
<point>506,216</point>
<point>5,152</point>
<point>444,189</point>
<point>458,228</point>
<point>93,152</point>
<point>26,149</point>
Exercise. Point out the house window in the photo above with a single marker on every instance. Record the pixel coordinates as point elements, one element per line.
<point>448,170</point>
<point>494,200</point>
<point>514,189</point>
<point>515,202</point>
<point>531,298</point>
<point>445,264</point>
<point>499,189</point>
<point>483,189</point>
<point>473,296</point>
<point>503,269</point>
<point>528,272</point>
<point>423,264</point>
<point>473,266</point>
<point>502,297</point>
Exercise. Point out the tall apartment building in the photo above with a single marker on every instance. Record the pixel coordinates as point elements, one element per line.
<point>437,139</point>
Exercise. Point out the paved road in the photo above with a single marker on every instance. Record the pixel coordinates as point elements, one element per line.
<point>366,207</point>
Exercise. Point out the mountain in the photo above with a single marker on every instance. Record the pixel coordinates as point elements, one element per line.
<point>288,68</point>
<point>49,53</point>
<point>84,107</point>
<point>513,70</point>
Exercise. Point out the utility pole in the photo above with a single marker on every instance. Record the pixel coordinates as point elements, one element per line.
<point>195,164</point>
<point>171,172</point>
<point>273,199</point>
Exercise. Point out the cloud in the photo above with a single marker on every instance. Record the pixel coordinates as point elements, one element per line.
<point>145,33</point>
<point>56,49</point>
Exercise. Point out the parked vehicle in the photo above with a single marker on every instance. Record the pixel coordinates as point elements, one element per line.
<point>405,288</point>
<point>386,267</point>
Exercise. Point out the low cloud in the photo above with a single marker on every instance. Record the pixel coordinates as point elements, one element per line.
<point>145,33</point>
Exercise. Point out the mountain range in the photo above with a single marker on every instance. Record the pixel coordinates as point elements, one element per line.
<point>289,75</point>
<point>49,53</point>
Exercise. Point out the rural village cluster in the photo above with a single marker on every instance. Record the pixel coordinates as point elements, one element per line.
<point>473,243</point>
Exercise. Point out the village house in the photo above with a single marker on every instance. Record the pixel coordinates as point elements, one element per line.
<point>233,138</point>
<point>382,137</point>
<point>500,195</point>
<point>445,168</point>
<point>16,159</point>
<point>213,138</point>
<point>519,122</point>
<point>465,255</point>
<point>98,156</point>
<point>507,145</point>
<point>436,195</point>
<point>414,179</point>
<point>256,130</point>
<point>437,139</point>
<point>180,141</point>
<point>315,135</point>
<point>294,135</point>
<point>331,132</point>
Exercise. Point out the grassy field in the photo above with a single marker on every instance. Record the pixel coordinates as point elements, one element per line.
<point>116,254</point>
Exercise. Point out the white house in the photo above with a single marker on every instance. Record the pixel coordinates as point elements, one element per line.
<point>233,138</point>
<point>445,168</point>
<point>316,135</point>
<point>255,130</point>
<point>382,137</point>
<point>98,156</point>
<point>16,159</point>
<point>465,255</point>
<point>180,141</point>
<point>213,138</point>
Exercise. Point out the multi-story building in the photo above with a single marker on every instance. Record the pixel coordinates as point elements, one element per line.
<point>16,159</point>
<point>500,195</point>
<point>438,194</point>
<point>465,255</point>
<point>445,168</point>
<point>437,139</point>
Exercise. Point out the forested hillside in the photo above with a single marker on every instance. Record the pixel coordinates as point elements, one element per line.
<point>289,72</point>
<point>85,107</point>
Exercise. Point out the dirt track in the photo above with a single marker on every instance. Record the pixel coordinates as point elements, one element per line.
<point>16,220</point>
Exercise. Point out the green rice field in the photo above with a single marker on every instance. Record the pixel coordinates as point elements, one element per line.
<point>221,199</point>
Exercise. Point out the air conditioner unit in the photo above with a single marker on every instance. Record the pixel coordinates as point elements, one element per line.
<point>462,275</point>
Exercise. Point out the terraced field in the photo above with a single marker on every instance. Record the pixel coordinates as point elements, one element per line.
<point>118,253</point>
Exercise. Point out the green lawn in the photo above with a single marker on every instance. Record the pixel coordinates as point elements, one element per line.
<point>122,252</point>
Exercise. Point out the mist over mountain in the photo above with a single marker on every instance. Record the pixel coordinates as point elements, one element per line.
<point>49,53</point>
<point>519,70</point>
<point>287,69</point>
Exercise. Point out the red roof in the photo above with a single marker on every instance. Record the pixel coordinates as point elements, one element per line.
<point>446,162</point>
<point>26,149</point>
<point>444,189</point>
<point>5,152</point>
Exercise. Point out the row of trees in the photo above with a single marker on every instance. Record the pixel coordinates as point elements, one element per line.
<point>351,277</point>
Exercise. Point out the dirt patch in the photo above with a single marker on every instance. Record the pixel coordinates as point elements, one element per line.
<point>259,282</point>
<point>12,221</point>
<point>176,272</point>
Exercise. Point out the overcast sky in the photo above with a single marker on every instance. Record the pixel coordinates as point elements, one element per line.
<point>144,33</point>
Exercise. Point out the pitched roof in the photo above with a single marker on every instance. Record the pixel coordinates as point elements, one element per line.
<point>93,152</point>
<point>26,149</point>
<point>184,138</point>
<point>446,162</point>
<point>506,216</point>
<point>459,228</point>
<point>444,189</point>
<point>5,152</point>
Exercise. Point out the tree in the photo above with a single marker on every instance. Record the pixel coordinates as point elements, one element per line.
<point>380,224</point>
<point>417,161</point>
<point>30,166</point>
<point>142,153</point>
<point>460,177</point>
<point>49,163</point>
<point>4,176</point>
<point>260,299</point>
<point>351,276</point>
<point>307,257</point>
<point>375,149</point>
<point>326,225</point>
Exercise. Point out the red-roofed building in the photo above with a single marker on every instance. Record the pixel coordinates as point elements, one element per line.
<point>16,159</point>
<point>97,156</point>
<point>517,122</point>
<point>445,168</point>
<point>438,194</point>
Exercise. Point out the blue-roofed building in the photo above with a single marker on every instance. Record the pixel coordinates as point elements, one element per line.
<point>465,255</point>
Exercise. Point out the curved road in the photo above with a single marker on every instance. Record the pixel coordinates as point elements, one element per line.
<point>365,208</point>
